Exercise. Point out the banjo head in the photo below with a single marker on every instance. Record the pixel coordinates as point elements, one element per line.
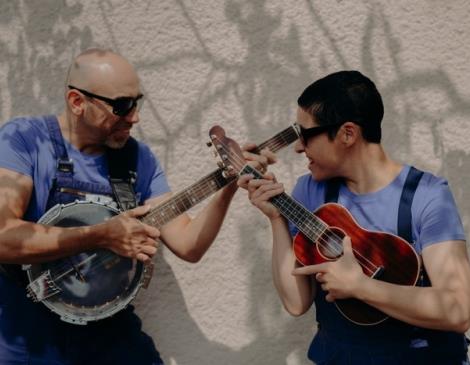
<point>91,285</point>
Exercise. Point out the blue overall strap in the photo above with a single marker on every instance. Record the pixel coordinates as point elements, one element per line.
<point>122,168</point>
<point>455,343</point>
<point>406,199</point>
<point>332,190</point>
<point>64,164</point>
<point>404,225</point>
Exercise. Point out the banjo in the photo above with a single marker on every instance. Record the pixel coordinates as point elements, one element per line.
<point>96,284</point>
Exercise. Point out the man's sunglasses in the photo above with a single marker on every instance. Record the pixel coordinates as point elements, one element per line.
<point>306,133</point>
<point>121,106</point>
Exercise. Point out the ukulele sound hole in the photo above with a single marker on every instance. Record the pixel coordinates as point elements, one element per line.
<point>330,243</point>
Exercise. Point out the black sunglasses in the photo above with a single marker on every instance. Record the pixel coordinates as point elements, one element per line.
<point>307,133</point>
<point>121,106</point>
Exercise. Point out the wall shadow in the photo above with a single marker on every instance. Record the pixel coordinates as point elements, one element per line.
<point>265,84</point>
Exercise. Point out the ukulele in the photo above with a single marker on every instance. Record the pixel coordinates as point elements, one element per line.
<point>382,256</point>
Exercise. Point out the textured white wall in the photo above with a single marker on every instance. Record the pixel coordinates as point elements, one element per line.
<point>242,64</point>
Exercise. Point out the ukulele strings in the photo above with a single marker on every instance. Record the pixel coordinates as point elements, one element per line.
<point>325,244</point>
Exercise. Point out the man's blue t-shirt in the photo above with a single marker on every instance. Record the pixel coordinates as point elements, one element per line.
<point>29,332</point>
<point>25,147</point>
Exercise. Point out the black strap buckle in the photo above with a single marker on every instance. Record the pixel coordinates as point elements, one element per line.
<point>65,165</point>
<point>124,193</point>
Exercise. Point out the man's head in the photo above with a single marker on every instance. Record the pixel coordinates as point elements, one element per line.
<point>103,95</point>
<point>345,96</point>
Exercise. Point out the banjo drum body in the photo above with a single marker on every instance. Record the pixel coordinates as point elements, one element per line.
<point>91,285</point>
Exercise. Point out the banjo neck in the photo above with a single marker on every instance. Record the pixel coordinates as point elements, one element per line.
<point>185,199</point>
<point>209,184</point>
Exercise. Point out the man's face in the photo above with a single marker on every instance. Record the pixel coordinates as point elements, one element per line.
<point>111,129</point>
<point>321,151</point>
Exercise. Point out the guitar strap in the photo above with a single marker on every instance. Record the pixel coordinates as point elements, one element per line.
<point>122,168</point>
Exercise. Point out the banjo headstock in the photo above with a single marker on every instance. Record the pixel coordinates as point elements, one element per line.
<point>228,151</point>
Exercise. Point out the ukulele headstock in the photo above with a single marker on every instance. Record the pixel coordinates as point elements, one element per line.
<point>229,154</point>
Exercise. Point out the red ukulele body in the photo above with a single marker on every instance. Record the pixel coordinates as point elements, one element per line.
<point>383,256</point>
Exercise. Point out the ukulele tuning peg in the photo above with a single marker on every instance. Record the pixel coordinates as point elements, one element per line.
<point>209,144</point>
<point>220,164</point>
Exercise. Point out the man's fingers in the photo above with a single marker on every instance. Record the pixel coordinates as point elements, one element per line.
<point>142,257</point>
<point>152,231</point>
<point>244,180</point>
<point>249,146</point>
<point>264,189</point>
<point>347,245</point>
<point>259,162</point>
<point>250,149</point>
<point>271,157</point>
<point>137,212</point>
<point>270,176</point>
<point>149,250</point>
<point>268,179</point>
<point>311,269</point>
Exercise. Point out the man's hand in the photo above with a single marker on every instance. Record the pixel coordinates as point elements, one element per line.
<point>261,190</point>
<point>340,278</point>
<point>259,162</point>
<point>127,236</point>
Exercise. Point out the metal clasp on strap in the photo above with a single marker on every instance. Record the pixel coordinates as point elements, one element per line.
<point>65,165</point>
<point>132,177</point>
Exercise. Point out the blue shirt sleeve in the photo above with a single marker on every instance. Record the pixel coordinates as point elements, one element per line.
<point>437,213</point>
<point>151,178</point>
<point>14,149</point>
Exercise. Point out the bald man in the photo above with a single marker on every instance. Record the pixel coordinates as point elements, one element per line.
<point>102,100</point>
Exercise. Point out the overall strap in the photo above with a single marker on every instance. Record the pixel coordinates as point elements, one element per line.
<point>64,164</point>
<point>332,190</point>
<point>122,167</point>
<point>452,341</point>
<point>64,168</point>
<point>404,225</point>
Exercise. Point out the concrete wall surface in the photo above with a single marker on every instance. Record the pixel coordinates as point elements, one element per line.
<point>242,64</point>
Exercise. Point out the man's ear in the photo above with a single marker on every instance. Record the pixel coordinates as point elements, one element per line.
<point>349,133</point>
<point>75,101</point>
